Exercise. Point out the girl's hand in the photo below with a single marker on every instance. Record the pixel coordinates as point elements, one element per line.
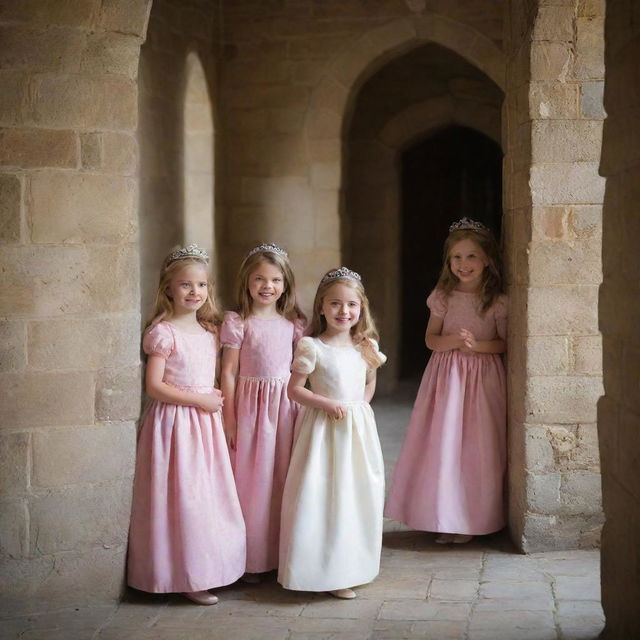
<point>336,410</point>
<point>230,431</point>
<point>211,402</point>
<point>468,339</point>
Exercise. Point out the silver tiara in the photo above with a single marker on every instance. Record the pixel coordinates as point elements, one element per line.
<point>342,272</point>
<point>271,247</point>
<point>466,223</point>
<point>191,251</point>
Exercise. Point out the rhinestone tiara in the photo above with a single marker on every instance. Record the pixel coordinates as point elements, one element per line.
<point>342,272</point>
<point>190,251</point>
<point>271,247</point>
<point>466,223</point>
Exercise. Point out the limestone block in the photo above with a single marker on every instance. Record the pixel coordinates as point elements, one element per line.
<point>581,493</point>
<point>249,122</point>
<point>587,355</point>
<point>268,97</point>
<point>118,394</point>
<point>556,263</point>
<point>325,175</point>
<point>591,100</point>
<point>585,221</point>
<point>323,124</point>
<point>10,208</point>
<point>12,96</point>
<point>14,527</point>
<point>589,58</point>
<point>91,150</point>
<point>576,183</point>
<point>13,355</point>
<point>591,8</point>
<point>46,399</point>
<point>14,463</point>
<point>70,13</point>
<point>587,454</point>
<point>327,232</point>
<point>307,72</point>
<point>84,102</point>
<point>543,492</point>
<point>562,399</point>
<point>80,517</point>
<point>79,208</point>
<point>84,343</point>
<point>538,532</point>
<point>125,16</point>
<point>317,47</point>
<point>553,100</point>
<point>246,72</point>
<point>119,153</point>
<point>111,53</point>
<point>38,148</point>
<point>566,141</point>
<point>40,49</point>
<point>550,61</point>
<point>561,310</point>
<point>286,121</point>
<point>547,355</point>
<point>77,455</point>
<point>539,452</point>
<point>554,24</point>
<point>285,193</point>
<point>69,279</point>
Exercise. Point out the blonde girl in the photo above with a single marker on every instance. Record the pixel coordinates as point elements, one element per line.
<point>187,531</point>
<point>333,498</point>
<point>258,342</point>
<point>449,477</point>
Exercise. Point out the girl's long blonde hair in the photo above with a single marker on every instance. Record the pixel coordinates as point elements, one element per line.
<point>286,304</point>
<point>491,283</point>
<point>362,332</point>
<point>208,315</point>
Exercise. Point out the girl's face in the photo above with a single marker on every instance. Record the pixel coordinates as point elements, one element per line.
<point>266,284</point>
<point>341,306</point>
<point>467,262</point>
<point>188,289</point>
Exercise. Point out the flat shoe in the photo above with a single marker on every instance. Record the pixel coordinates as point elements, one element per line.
<point>461,538</point>
<point>201,597</point>
<point>445,538</point>
<point>343,594</point>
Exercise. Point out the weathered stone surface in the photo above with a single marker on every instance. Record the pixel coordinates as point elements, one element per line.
<point>576,183</point>
<point>77,455</point>
<point>111,53</point>
<point>554,24</point>
<point>32,148</point>
<point>581,493</point>
<point>13,355</point>
<point>563,310</point>
<point>10,209</point>
<point>558,263</point>
<point>125,16</point>
<point>591,100</point>
<point>562,399</point>
<point>543,492</point>
<point>118,394</point>
<point>587,355</point>
<point>553,100</point>
<point>547,355</point>
<point>556,141</point>
<point>46,399</point>
<point>14,463</point>
<point>589,61</point>
<point>70,13</point>
<point>14,88</point>
<point>14,527</point>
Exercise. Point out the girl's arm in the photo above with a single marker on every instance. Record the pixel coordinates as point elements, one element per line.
<point>159,390</point>
<point>370,386</point>
<point>483,346</point>
<point>299,393</point>
<point>228,379</point>
<point>437,342</point>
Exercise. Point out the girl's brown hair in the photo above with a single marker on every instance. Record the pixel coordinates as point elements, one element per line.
<point>286,304</point>
<point>362,332</point>
<point>491,283</point>
<point>208,315</point>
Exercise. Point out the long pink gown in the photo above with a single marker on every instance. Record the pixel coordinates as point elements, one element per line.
<point>187,531</point>
<point>450,473</point>
<point>265,418</point>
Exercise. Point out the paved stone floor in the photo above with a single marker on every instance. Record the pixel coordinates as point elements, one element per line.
<point>483,590</point>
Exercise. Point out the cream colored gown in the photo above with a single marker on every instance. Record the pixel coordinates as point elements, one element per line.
<point>331,527</point>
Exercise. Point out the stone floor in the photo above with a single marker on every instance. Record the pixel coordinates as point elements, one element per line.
<point>483,590</point>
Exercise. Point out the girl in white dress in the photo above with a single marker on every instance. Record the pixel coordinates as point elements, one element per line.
<point>331,526</point>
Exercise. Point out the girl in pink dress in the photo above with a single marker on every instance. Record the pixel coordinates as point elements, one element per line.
<point>187,533</point>
<point>258,344</point>
<point>450,473</point>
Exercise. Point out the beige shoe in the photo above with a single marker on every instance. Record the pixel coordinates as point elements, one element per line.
<point>461,538</point>
<point>445,538</point>
<point>201,597</point>
<point>343,594</point>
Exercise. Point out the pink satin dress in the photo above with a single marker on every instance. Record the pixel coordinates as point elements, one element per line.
<point>187,532</point>
<point>450,473</point>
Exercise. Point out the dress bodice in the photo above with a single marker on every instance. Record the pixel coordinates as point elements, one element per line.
<point>338,373</point>
<point>190,357</point>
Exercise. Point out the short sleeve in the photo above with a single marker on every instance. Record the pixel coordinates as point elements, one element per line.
<point>232,330</point>
<point>298,331</point>
<point>158,341</point>
<point>304,359</point>
<point>437,303</point>
<point>376,349</point>
<point>500,314</point>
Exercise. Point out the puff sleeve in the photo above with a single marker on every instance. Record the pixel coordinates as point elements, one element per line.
<point>232,330</point>
<point>437,303</point>
<point>304,359</point>
<point>500,314</point>
<point>158,341</point>
<point>375,347</point>
<point>298,331</point>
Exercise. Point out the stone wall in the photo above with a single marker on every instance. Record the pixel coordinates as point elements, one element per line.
<point>70,301</point>
<point>619,409</point>
<point>553,202</point>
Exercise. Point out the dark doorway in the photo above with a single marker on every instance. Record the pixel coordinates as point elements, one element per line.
<point>454,173</point>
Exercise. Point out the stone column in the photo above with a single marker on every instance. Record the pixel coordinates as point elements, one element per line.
<point>70,320</point>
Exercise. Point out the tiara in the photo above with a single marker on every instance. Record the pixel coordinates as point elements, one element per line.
<point>191,251</point>
<point>466,223</point>
<point>271,247</point>
<point>342,272</point>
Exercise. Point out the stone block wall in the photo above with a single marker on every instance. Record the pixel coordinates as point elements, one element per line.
<point>619,409</point>
<point>553,206</point>
<point>69,309</point>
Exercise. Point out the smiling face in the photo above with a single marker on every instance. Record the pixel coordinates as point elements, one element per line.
<point>188,289</point>
<point>341,306</point>
<point>265,285</point>
<point>467,262</point>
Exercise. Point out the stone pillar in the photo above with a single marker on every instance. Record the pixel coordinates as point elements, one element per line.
<point>619,409</point>
<point>70,319</point>
<point>553,202</point>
